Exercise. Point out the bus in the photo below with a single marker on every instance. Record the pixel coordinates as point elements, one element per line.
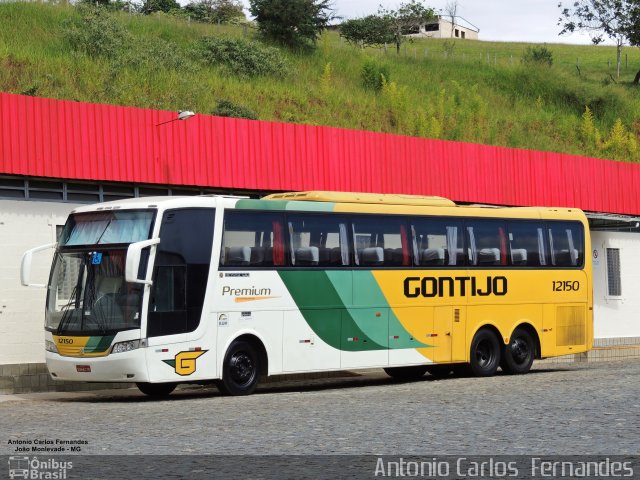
<point>226,290</point>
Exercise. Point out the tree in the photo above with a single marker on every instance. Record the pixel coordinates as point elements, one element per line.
<point>633,33</point>
<point>613,19</point>
<point>408,16</point>
<point>296,23</point>
<point>451,9</point>
<point>151,6</point>
<point>368,31</point>
<point>216,11</point>
<point>387,26</point>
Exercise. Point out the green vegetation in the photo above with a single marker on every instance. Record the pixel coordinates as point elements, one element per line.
<point>225,108</point>
<point>539,55</point>
<point>374,75</point>
<point>454,90</point>
<point>243,58</point>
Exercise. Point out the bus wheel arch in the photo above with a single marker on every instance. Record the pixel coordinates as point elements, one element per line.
<point>245,360</point>
<point>258,344</point>
<point>523,347</point>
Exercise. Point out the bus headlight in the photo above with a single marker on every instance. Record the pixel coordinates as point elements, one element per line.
<point>126,346</point>
<point>49,346</point>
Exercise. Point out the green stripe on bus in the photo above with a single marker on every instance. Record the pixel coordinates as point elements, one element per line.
<point>366,282</point>
<point>324,301</point>
<point>98,344</point>
<point>282,205</point>
<point>323,309</point>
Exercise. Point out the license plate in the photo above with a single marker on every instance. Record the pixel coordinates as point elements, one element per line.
<point>83,368</point>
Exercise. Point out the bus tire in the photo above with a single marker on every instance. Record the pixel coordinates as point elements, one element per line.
<point>240,370</point>
<point>518,355</point>
<point>485,353</point>
<point>440,371</point>
<point>406,373</point>
<point>157,389</point>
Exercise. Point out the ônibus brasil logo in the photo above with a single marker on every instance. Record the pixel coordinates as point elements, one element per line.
<point>35,468</point>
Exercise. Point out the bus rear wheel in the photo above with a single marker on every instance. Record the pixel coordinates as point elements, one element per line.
<point>406,373</point>
<point>518,355</point>
<point>157,389</point>
<point>485,354</point>
<point>240,370</point>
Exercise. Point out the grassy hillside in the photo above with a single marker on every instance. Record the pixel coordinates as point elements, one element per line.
<point>471,91</point>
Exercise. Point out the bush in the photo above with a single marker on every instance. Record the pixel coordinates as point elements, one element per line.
<point>215,11</point>
<point>96,33</point>
<point>295,23</point>
<point>538,56</point>
<point>226,108</point>
<point>242,57</point>
<point>156,54</point>
<point>374,75</point>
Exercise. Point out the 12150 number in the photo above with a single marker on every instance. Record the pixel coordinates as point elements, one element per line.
<point>566,286</point>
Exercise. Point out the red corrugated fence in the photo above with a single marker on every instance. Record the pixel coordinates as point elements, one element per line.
<point>72,140</point>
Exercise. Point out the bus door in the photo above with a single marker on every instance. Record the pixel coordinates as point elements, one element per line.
<point>448,337</point>
<point>180,277</point>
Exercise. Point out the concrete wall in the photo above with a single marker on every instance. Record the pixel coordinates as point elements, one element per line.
<point>446,28</point>
<point>616,316</point>
<point>24,225</point>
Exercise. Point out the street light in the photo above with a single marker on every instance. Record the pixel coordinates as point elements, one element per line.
<point>182,115</point>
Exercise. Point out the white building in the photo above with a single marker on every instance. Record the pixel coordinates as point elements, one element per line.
<point>444,27</point>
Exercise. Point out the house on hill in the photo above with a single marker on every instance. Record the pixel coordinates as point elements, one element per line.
<point>444,27</point>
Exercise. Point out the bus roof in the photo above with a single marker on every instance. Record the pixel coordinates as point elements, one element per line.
<point>370,198</point>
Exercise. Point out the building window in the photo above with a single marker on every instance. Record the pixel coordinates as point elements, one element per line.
<point>463,33</point>
<point>12,188</point>
<point>614,282</point>
<point>457,33</point>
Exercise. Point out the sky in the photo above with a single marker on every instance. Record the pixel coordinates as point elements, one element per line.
<point>499,20</point>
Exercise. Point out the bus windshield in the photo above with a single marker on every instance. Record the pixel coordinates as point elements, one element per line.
<point>109,227</point>
<point>88,293</point>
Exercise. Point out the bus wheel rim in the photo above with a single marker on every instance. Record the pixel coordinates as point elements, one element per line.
<point>519,350</point>
<point>242,368</point>
<point>484,354</point>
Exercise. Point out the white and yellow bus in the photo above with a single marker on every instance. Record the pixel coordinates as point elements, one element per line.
<point>163,291</point>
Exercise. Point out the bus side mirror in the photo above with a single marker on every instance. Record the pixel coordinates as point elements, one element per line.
<point>25,266</point>
<point>134,253</point>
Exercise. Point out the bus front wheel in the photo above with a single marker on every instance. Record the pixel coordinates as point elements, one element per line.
<point>485,353</point>
<point>518,355</point>
<point>157,389</point>
<point>240,370</point>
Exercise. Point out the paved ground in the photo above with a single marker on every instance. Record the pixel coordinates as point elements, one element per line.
<point>556,409</point>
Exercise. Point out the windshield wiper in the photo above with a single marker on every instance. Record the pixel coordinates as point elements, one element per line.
<point>75,297</point>
<point>66,312</point>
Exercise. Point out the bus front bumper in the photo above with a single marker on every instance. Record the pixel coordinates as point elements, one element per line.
<point>119,367</point>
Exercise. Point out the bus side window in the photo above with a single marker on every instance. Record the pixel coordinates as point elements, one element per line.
<point>437,242</point>
<point>252,239</point>
<point>381,241</point>
<point>566,241</point>
<point>487,241</point>
<point>527,244</point>
<point>318,240</point>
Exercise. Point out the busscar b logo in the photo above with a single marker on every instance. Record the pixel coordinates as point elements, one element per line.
<point>185,362</point>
